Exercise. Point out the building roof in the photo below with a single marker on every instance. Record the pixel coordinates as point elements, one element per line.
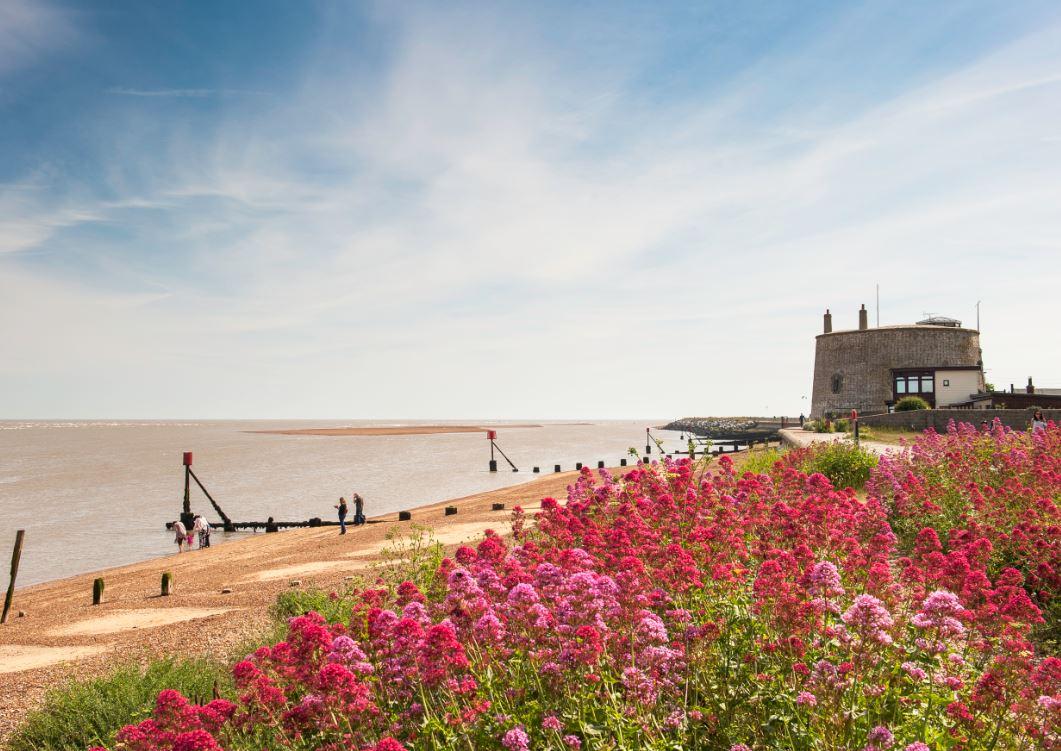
<point>953,323</point>
<point>910,326</point>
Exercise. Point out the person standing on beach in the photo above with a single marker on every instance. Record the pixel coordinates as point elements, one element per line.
<point>342,515</point>
<point>181,533</point>
<point>202,526</point>
<point>359,509</point>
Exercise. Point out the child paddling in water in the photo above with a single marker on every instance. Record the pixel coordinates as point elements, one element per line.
<point>181,533</point>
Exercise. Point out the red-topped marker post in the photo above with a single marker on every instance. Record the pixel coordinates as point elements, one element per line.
<point>854,425</point>
<point>187,518</point>
<point>491,435</point>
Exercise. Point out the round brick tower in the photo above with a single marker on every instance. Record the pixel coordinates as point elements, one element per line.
<point>869,369</point>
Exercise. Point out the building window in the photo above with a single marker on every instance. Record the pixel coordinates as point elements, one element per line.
<point>946,382</point>
<point>837,383</point>
<point>915,383</point>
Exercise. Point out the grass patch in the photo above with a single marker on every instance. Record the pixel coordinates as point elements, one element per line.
<point>82,714</point>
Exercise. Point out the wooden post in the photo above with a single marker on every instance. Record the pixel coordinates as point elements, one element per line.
<point>16,556</point>
<point>97,591</point>
<point>167,584</point>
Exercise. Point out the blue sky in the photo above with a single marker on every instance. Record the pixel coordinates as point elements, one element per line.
<point>435,210</point>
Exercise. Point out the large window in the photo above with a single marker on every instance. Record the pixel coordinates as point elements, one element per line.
<point>917,383</point>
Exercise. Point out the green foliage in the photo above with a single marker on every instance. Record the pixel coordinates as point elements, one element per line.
<point>82,714</point>
<point>761,462</point>
<point>295,602</point>
<point>845,464</point>
<point>841,425</point>
<point>911,404</point>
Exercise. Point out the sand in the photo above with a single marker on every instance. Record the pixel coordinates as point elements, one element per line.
<point>125,620</point>
<point>15,658</point>
<point>395,430</point>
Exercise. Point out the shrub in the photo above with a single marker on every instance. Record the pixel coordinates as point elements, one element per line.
<point>911,404</point>
<point>846,465</point>
<point>761,462</point>
<point>82,714</point>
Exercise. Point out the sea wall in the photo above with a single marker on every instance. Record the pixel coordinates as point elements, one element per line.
<point>1018,419</point>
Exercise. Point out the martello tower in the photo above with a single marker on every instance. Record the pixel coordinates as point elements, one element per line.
<point>869,369</point>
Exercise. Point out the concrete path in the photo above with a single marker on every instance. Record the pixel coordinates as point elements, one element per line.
<point>801,438</point>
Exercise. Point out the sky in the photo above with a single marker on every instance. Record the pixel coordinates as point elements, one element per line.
<point>512,210</point>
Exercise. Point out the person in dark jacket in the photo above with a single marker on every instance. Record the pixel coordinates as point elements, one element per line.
<point>342,515</point>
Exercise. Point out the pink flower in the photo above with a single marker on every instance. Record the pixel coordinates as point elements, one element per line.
<point>806,699</point>
<point>941,610</point>
<point>516,739</point>
<point>868,617</point>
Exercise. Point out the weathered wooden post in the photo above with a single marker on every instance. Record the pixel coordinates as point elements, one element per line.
<point>490,436</point>
<point>451,510</point>
<point>404,516</point>
<point>536,470</point>
<point>622,462</point>
<point>556,468</point>
<point>167,584</point>
<point>97,591</point>
<point>16,556</point>
<point>648,442</point>
<point>578,465</point>
<point>497,507</point>
<point>600,465</point>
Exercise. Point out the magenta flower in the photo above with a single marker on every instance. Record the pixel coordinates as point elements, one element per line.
<point>516,739</point>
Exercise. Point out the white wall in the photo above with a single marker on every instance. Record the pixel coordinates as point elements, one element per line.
<point>962,384</point>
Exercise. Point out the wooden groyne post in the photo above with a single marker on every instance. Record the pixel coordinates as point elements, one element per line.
<point>16,556</point>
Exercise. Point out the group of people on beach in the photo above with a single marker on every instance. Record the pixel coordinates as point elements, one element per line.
<point>343,509</point>
<point>184,536</point>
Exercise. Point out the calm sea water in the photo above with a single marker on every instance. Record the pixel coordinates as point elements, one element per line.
<point>94,494</point>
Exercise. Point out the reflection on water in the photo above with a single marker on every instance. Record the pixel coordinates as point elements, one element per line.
<point>97,493</point>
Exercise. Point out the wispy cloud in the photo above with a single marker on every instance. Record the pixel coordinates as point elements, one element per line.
<point>488,203</point>
<point>30,30</point>
<point>181,93</point>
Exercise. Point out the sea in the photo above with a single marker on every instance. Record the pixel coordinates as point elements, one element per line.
<point>97,493</point>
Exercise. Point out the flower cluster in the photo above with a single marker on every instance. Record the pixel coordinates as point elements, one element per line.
<point>677,607</point>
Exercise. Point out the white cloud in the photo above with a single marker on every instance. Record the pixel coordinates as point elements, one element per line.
<point>475,234</point>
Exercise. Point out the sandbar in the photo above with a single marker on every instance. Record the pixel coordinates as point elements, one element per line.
<point>391,430</point>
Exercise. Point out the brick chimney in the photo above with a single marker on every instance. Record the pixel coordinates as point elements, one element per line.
<point>1030,388</point>
<point>828,321</point>
<point>863,319</point>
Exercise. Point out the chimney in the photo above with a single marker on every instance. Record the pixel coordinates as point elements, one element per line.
<point>863,319</point>
<point>1031,387</point>
<point>828,321</point>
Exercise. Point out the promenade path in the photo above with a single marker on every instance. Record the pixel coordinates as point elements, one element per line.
<point>801,438</point>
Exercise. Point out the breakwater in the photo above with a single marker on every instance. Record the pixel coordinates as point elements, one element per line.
<point>732,428</point>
